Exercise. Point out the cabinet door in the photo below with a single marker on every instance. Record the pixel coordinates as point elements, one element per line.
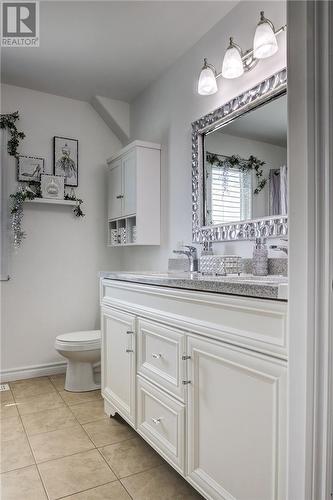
<point>118,362</point>
<point>115,191</point>
<point>129,184</point>
<point>236,422</point>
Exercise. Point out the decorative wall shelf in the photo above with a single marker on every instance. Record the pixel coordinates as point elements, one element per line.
<point>51,201</point>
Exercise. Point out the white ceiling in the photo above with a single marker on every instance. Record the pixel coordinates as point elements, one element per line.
<point>267,123</point>
<point>112,49</point>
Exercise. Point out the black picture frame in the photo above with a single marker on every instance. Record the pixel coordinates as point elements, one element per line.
<point>64,163</point>
<point>24,176</point>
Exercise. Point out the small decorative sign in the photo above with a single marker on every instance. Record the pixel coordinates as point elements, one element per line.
<point>52,186</point>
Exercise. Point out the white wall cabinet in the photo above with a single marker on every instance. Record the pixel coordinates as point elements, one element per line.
<point>134,195</point>
<point>216,411</point>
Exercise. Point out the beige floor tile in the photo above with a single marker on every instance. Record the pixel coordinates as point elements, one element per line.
<point>48,420</point>
<point>22,484</point>
<point>162,483</point>
<point>130,457</point>
<point>23,389</point>
<point>16,454</point>
<point>108,431</point>
<point>58,381</point>
<point>11,428</point>
<point>56,444</point>
<point>89,411</point>
<point>76,473</point>
<point>8,409</point>
<point>6,396</point>
<point>73,398</point>
<point>40,403</point>
<point>111,491</point>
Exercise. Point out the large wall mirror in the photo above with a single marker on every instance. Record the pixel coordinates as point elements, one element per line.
<point>239,166</point>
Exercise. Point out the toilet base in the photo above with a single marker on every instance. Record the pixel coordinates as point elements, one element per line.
<point>80,377</point>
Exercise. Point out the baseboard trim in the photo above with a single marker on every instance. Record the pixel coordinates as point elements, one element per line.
<point>32,371</point>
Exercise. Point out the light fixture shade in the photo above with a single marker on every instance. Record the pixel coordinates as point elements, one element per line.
<point>264,43</point>
<point>232,66</point>
<point>207,80</point>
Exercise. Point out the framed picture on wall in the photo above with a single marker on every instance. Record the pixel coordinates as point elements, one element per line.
<point>53,186</point>
<point>66,159</point>
<point>30,168</point>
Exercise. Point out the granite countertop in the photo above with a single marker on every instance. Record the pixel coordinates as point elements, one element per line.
<point>246,285</point>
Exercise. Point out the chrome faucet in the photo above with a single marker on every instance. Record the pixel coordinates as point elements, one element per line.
<point>280,248</point>
<point>192,256</point>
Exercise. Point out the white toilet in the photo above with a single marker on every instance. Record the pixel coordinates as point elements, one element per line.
<point>83,351</point>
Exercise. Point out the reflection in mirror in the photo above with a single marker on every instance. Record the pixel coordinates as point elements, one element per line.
<point>245,170</point>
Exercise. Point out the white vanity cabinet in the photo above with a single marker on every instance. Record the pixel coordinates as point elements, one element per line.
<point>236,422</point>
<point>214,409</point>
<point>118,361</point>
<point>134,195</point>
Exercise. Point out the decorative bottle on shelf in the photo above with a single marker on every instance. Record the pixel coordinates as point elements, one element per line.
<point>260,258</point>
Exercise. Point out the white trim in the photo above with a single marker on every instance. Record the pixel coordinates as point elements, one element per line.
<point>310,152</point>
<point>33,371</point>
<point>132,145</point>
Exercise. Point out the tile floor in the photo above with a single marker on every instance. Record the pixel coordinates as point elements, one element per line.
<point>57,444</point>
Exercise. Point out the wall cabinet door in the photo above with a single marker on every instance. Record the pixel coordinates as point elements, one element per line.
<point>118,362</point>
<point>129,184</point>
<point>115,191</point>
<point>236,422</point>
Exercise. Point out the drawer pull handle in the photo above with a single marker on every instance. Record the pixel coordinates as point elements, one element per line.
<point>129,332</point>
<point>129,350</point>
<point>156,355</point>
<point>184,358</point>
<point>185,382</point>
<point>120,196</point>
<point>156,420</point>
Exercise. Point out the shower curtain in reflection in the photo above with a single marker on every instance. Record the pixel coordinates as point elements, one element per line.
<point>278,191</point>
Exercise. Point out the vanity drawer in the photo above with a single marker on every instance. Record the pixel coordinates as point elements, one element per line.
<point>161,421</point>
<point>160,351</point>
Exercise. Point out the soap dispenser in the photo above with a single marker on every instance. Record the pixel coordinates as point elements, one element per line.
<point>260,258</point>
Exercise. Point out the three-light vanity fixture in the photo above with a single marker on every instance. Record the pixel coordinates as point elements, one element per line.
<point>236,61</point>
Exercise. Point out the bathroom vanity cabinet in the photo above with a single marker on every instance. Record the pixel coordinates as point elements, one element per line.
<point>202,378</point>
<point>134,195</point>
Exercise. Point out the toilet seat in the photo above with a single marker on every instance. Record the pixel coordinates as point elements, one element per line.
<point>79,341</point>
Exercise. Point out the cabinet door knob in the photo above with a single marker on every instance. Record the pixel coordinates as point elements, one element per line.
<point>129,350</point>
<point>156,420</point>
<point>156,355</point>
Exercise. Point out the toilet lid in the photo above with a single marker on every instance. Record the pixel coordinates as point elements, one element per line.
<point>79,337</point>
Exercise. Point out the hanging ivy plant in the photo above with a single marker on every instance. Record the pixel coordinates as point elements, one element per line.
<point>77,209</point>
<point>235,161</point>
<point>7,122</point>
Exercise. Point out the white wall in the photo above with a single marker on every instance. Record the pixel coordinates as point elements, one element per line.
<point>54,286</point>
<point>274,156</point>
<point>164,112</point>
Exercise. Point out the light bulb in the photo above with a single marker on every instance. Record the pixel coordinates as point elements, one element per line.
<point>207,80</point>
<point>264,43</point>
<point>232,66</point>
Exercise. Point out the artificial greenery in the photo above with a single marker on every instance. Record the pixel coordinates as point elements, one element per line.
<point>235,161</point>
<point>77,209</point>
<point>7,121</point>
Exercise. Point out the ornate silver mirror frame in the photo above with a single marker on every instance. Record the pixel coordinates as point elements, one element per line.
<point>274,226</point>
